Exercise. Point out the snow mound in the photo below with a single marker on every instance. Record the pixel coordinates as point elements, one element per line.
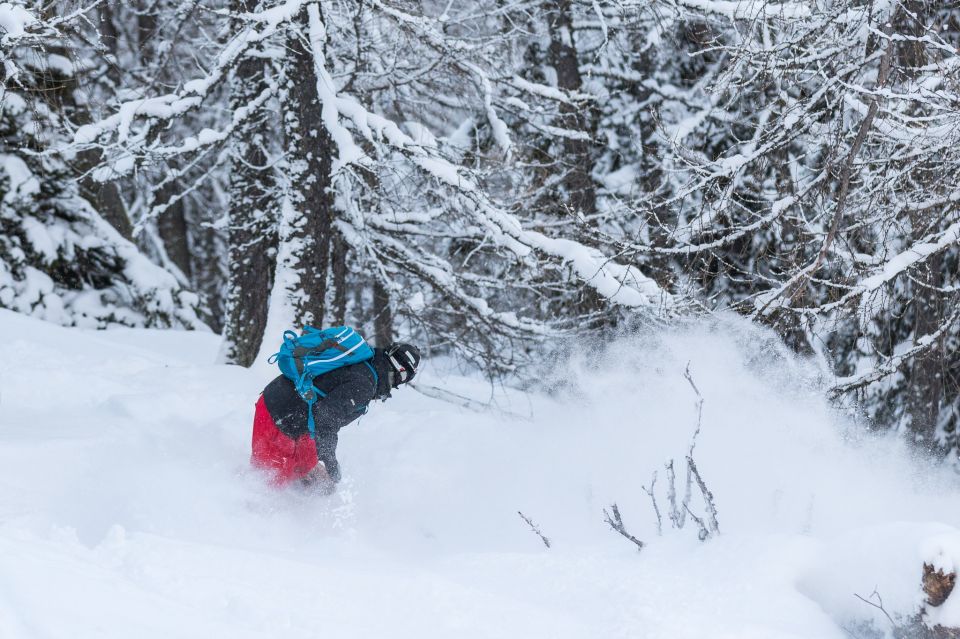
<point>127,508</point>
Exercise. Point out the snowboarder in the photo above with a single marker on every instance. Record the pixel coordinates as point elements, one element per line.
<point>282,442</point>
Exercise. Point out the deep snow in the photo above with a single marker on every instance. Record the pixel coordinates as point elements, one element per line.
<point>127,508</point>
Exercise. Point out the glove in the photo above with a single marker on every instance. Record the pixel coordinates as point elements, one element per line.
<point>319,480</point>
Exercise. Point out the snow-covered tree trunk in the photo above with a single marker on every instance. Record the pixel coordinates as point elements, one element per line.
<point>309,152</point>
<point>304,276</point>
<point>253,216</point>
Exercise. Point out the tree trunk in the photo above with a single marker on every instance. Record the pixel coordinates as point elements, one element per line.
<point>104,196</point>
<point>252,234</point>
<point>926,385</point>
<point>311,151</point>
<point>339,263</point>
<point>174,231</point>
<point>382,315</point>
<point>577,156</point>
<point>172,223</point>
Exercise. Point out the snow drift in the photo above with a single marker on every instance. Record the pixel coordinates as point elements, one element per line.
<point>127,508</point>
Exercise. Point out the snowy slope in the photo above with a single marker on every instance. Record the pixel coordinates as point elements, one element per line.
<point>127,508</point>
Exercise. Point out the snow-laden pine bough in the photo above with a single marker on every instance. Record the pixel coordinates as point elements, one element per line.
<point>59,258</point>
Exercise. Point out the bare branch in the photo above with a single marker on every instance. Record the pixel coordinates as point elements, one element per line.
<point>653,499</point>
<point>877,604</point>
<point>703,533</point>
<point>712,523</point>
<point>616,523</point>
<point>535,529</point>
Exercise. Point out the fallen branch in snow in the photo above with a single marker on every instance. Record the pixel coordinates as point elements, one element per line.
<point>616,523</point>
<point>535,529</point>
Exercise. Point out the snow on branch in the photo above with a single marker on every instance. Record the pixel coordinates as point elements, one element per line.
<point>209,137</point>
<point>615,521</point>
<point>898,264</point>
<point>18,26</point>
<point>442,279</point>
<point>549,92</point>
<point>747,9</point>
<point>260,26</point>
<point>922,344</point>
<point>15,21</point>
<point>621,284</point>
<point>326,89</point>
<point>535,528</point>
<point>420,25</point>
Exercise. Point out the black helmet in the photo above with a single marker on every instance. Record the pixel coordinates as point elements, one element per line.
<point>404,358</point>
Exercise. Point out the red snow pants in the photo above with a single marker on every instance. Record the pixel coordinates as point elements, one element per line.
<point>285,459</point>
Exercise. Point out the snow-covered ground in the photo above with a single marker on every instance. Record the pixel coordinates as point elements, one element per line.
<point>127,509</point>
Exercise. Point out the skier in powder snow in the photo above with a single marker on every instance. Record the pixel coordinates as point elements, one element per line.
<point>282,445</point>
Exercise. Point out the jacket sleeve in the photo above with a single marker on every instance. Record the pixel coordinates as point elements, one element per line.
<point>342,405</point>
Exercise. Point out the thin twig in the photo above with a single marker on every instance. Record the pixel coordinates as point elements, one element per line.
<point>616,522</point>
<point>535,528</point>
<point>696,432</point>
<point>689,377</point>
<point>653,498</point>
<point>704,533</point>
<point>460,400</point>
<point>878,606</point>
<point>714,525</point>
<point>677,514</point>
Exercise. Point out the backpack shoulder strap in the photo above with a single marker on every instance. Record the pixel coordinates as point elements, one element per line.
<point>376,378</point>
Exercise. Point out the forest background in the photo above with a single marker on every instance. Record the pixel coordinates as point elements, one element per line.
<point>498,179</point>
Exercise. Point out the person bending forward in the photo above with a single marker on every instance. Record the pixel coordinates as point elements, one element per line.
<point>282,445</point>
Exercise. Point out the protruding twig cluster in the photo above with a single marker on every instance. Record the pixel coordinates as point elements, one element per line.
<point>708,525</point>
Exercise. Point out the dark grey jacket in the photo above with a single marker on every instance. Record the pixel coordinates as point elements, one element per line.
<point>348,392</point>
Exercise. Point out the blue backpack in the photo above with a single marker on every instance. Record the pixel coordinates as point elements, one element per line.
<point>315,352</point>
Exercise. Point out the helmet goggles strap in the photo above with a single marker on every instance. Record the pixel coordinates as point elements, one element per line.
<point>402,371</point>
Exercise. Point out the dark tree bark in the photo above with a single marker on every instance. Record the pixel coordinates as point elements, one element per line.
<point>577,154</point>
<point>174,231</point>
<point>926,381</point>
<point>311,150</point>
<point>105,197</point>
<point>339,263</point>
<point>252,234</point>
<point>110,38</point>
<point>926,388</point>
<point>172,223</point>
<point>382,315</point>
